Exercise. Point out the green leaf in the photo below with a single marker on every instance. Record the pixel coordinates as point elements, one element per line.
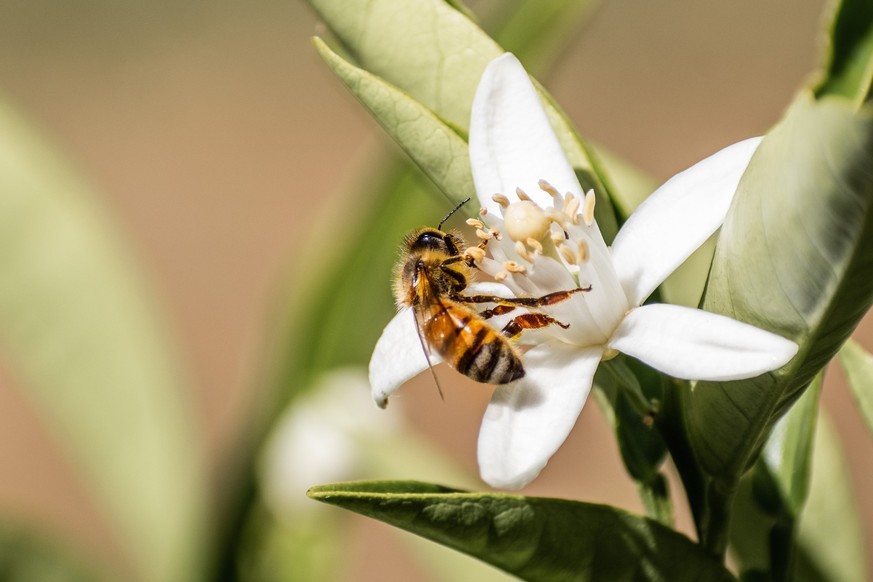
<point>532,538</point>
<point>26,556</point>
<point>787,456</point>
<point>436,55</point>
<point>849,60</point>
<point>80,329</point>
<point>828,538</point>
<point>794,256</point>
<point>434,146</point>
<point>858,366</point>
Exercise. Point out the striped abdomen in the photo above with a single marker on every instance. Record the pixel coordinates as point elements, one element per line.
<point>468,344</point>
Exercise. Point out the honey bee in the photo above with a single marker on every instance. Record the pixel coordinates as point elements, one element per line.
<point>430,277</point>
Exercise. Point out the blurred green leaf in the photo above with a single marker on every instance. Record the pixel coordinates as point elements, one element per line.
<point>794,256</point>
<point>858,366</point>
<point>532,538</point>
<point>27,557</point>
<point>81,329</point>
<point>849,59</point>
<point>434,146</point>
<point>828,538</point>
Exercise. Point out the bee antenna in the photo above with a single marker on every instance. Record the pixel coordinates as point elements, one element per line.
<point>455,209</point>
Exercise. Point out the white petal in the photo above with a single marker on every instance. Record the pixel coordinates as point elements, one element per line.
<point>698,345</point>
<point>512,144</point>
<point>397,357</point>
<point>527,421</point>
<point>676,219</point>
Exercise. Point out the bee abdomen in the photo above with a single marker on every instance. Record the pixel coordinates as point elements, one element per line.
<point>490,359</point>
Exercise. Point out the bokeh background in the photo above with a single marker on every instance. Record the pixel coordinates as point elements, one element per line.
<point>216,137</point>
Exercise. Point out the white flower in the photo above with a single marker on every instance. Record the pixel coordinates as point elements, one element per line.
<point>548,228</point>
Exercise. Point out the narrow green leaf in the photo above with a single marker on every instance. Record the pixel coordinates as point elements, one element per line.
<point>849,67</point>
<point>787,455</point>
<point>533,538</point>
<point>858,366</point>
<point>436,55</point>
<point>434,146</point>
<point>81,330</point>
<point>794,256</point>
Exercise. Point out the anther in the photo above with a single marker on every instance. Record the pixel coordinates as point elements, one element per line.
<point>588,209</point>
<point>501,276</point>
<point>571,207</point>
<point>567,253</point>
<point>501,200</point>
<point>484,234</point>
<point>583,251</point>
<point>522,251</point>
<point>475,253</point>
<point>548,188</point>
<point>536,245</point>
<point>514,267</point>
<point>475,223</point>
<point>483,211</point>
<point>522,195</point>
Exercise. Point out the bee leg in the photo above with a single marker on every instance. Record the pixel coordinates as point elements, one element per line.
<point>529,321</point>
<point>543,301</point>
<point>498,310</point>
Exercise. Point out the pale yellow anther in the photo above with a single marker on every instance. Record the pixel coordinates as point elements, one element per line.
<point>588,209</point>
<point>571,207</point>
<point>514,267</point>
<point>583,251</point>
<point>475,223</point>
<point>557,217</point>
<point>568,253</point>
<point>501,200</point>
<point>536,245</point>
<point>483,211</point>
<point>522,195</point>
<point>548,188</point>
<point>522,251</point>
<point>475,253</point>
<point>524,220</point>
<point>484,234</point>
<point>501,276</point>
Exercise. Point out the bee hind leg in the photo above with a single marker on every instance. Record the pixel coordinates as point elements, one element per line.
<point>525,321</point>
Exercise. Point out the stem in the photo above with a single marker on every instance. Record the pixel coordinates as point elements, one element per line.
<point>716,518</point>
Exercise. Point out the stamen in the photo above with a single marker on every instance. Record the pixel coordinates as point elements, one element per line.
<point>588,209</point>
<point>536,245</point>
<point>484,234</point>
<point>475,223</point>
<point>583,251</point>
<point>522,195</point>
<point>571,207</point>
<point>501,276</point>
<point>514,267</point>
<point>548,188</point>
<point>557,217</point>
<point>483,211</point>
<point>567,253</point>
<point>522,251</point>
<point>475,253</point>
<point>501,200</point>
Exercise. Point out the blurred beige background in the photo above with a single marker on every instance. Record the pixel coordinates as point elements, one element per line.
<point>216,136</point>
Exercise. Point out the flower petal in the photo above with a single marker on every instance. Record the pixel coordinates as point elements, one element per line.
<point>676,219</point>
<point>512,144</point>
<point>698,345</point>
<point>397,357</point>
<point>527,421</point>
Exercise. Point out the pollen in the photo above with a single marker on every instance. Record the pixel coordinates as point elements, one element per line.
<point>588,209</point>
<point>524,220</point>
<point>501,200</point>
